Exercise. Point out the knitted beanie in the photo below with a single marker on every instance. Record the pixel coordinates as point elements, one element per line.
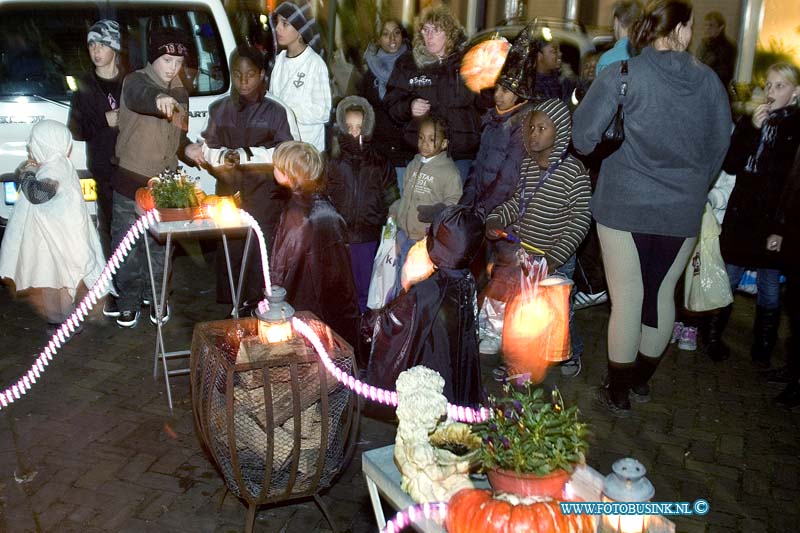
<point>170,41</point>
<point>105,32</point>
<point>300,17</point>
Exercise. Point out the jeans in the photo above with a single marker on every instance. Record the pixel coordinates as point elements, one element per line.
<point>362,255</point>
<point>133,278</point>
<point>401,174</point>
<point>768,283</point>
<point>404,244</point>
<point>463,166</point>
<point>567,270</point>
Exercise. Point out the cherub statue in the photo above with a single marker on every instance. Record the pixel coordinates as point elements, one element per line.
<point>421,405</point>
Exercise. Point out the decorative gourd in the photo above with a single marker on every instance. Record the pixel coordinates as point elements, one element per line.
<point>477,511</point>
<point>144,198</point>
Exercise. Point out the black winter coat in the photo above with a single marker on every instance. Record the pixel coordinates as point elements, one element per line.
<point>388,137</point>
<point>417,75</point>
<point>788,221</point>
<point>87,121</point>
<point>311,261</point>
<point>761,160</point>
<point>494,176</point>
<point>362,184</point>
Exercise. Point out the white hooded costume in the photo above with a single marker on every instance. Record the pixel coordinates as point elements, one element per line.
<point>53,244</point>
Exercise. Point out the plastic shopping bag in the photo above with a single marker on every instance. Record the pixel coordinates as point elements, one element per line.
<point>706,285</point>
<point>384,270</point>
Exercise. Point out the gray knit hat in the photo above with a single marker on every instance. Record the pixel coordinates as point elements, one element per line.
<point>105,32</point>
<point>300,17</point>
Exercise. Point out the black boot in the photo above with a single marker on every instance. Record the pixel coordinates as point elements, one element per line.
<point>765,335</point>
<point>716,349</point>
<point>645,368</point>
<point>613,395</point>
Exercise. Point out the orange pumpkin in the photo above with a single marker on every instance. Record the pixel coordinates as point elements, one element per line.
<point>477,511</point>
<point>482,64</point>
<point>144,199</point>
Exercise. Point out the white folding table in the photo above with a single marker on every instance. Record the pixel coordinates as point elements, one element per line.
<point>198,228</point>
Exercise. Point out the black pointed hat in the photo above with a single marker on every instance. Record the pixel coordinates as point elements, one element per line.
<point>518,74</point>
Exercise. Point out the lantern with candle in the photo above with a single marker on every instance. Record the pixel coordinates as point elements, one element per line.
<point>536,328</point>
<point>626,483</point>
<point>275,323</point>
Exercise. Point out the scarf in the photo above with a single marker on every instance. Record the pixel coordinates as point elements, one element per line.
<point>757,162</point>
<point>381,64</point>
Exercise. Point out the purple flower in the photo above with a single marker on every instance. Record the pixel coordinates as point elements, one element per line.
<point>518,406</point>
<point>505,442</point>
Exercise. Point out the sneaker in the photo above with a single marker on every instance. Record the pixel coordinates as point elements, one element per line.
<point>688,339</point>
<point>489,346</point>
<point>145,301</point>
<point>164,319</point>
<point>677,328</point>
<point>571,368</point>
<point>581,300</point>
<point>110,308</point>
<point>128,319</point>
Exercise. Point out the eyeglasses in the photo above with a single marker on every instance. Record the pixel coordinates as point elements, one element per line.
<point>431,30</point>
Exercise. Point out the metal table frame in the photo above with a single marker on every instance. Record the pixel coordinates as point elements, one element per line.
<point>195,229</point>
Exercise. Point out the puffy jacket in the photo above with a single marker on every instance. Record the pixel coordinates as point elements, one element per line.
<point>362,184</point>
<point>495,174</point>
<point>419,75</point>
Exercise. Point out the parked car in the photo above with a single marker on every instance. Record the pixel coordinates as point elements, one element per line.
<point>43,51</point>
<point>573,38</point>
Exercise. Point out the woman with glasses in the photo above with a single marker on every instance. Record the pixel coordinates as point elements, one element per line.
<point>426,81</point>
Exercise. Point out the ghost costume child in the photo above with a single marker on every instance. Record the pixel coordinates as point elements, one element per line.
<point>50,241</point>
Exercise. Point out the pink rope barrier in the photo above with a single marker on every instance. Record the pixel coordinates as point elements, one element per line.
<point>416,513</point>
<point>99,289</point>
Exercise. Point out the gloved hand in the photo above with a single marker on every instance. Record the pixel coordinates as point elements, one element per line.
<point>426,213</point>
<point>494,226</point>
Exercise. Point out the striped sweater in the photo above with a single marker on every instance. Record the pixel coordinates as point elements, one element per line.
<point>557,218</point>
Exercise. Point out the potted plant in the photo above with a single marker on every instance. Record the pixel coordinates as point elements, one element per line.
<point>531,442</point>
<point>174,196</point>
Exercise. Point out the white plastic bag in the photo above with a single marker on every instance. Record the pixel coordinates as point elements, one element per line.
<point>706,285</point>
<point>384,270</point>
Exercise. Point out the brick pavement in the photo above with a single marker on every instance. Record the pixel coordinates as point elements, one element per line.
<point>93,447</point>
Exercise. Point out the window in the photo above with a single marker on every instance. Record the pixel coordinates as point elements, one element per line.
<point>40,52</point>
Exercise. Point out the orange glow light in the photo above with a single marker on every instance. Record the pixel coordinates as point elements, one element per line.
<point>483,62</point>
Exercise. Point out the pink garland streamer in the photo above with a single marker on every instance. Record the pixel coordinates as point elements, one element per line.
<point>68,328</point>
<point>410,515</point>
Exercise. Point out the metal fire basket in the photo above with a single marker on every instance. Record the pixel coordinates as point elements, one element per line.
<point>274,422</point>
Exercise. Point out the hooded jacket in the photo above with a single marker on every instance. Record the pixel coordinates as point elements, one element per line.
<point>436,181</point>
<point>677,131</point>
<point>495,173</point>
<point>362,184</point>
<point>420,75</point>
<point>762,161</point>
<point>435,323</point>
<point>556,217</point>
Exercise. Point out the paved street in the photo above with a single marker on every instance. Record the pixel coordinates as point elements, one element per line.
<point>94,447</point>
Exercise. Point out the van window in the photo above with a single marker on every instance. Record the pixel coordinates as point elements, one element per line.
<point>41,54</point>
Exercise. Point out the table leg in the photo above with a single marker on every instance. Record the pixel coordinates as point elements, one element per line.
<point>375,498</point>
<point>159,302</point>
<point>238,295</point>
<point>230,275</point>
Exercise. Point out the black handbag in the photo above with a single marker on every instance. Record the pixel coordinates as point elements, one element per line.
<point>614,134</point>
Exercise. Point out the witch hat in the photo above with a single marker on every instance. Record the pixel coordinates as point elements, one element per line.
<point>518,74</point>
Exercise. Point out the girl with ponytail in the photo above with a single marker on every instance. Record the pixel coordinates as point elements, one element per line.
<point>651,192</point>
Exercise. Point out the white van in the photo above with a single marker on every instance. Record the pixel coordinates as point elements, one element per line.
<point>43,51</point>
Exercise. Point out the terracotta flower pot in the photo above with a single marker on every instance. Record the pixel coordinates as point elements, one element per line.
<point>551,484</point>
<point>174,214</point>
